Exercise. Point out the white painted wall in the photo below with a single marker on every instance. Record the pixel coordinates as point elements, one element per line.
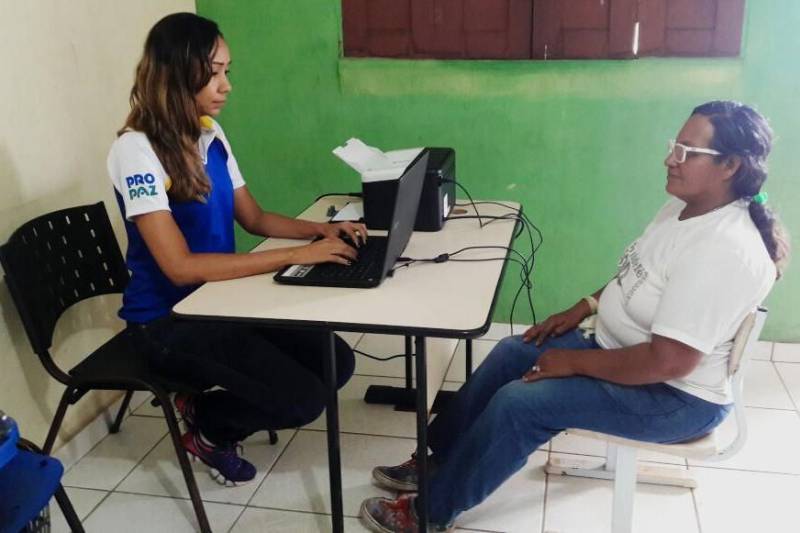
<point>67,71</point>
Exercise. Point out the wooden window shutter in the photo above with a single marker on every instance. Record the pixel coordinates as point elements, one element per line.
<point>690,27</point>
<point>497,29</point>
<point>380,28</point>
<point>479,29</point>
<point>541,29</point>
<point>583,29</point>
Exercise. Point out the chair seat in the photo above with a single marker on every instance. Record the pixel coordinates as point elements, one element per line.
<point>701,448</point>
<point>118,365</point>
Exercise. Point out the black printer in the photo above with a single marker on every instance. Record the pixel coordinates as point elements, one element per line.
<point>437,199</point>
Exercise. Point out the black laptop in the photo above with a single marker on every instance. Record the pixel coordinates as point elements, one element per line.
<point>377,256</point>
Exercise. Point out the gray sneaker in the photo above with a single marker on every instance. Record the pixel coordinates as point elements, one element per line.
<point>401,477</point>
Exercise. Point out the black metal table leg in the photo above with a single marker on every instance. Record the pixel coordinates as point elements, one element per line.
<point>332,416</point>
<point>422,434</point>
<point>468,362</point>
<point>409,362</point>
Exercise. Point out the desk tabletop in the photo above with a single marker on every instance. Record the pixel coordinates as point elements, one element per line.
<point>451,299</point>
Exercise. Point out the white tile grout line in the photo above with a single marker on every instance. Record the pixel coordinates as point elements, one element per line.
<point>159,441</point>
<point>696,511</point>
<point>272,466</point>
<point>163,497</point>
<point>103,424</point>
<point>82,519</point>
<point>102,500</point>
<point>546,489</point>
<point>129,472</point>
<point>167,435</point>
<point>744,470</point>
<point>783,382</point>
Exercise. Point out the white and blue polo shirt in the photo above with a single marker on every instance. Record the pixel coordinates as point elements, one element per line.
<point>141,186</point>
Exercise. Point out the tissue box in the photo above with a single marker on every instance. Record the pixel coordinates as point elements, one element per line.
<point>436,201</point>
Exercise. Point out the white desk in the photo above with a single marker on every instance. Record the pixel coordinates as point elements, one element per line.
<point>449,300</point>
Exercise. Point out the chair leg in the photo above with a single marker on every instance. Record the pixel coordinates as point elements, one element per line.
<point>126,401</point>
<point>624,489</point>
<point>183,460</point>
<point>67,510</point>
<point>273,437</point>
<point>57,420</point>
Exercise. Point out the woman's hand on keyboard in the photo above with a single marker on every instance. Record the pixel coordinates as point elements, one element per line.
<point>356,231</point>
<point>326,250</point>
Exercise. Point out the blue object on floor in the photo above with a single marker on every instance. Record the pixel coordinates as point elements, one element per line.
<point>9,436</point>
<point>27,483</point>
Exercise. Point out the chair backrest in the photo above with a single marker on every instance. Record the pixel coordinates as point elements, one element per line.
<point>57,260</point>
<point>743,344</point>
<point>745,339</point>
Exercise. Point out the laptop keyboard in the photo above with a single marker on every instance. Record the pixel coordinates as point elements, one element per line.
<point>368,264</point>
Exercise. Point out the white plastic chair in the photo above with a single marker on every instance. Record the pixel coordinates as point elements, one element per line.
<point>620,464</point>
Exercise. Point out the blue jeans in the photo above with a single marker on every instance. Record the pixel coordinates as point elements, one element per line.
<point>496,421</point>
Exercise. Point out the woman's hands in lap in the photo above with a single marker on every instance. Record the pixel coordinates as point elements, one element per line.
<point>555,325</point>
<point>554,363</point>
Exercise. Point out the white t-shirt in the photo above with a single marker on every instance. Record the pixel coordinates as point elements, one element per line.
<point>139,177</point>
<point>693,281</point>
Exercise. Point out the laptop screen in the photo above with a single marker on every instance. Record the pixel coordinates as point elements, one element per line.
<point>406,204</point>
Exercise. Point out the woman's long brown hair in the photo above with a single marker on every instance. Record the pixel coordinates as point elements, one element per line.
<point>175,66</point>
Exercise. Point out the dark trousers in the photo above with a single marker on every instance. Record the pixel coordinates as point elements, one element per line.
<point>268,378</point>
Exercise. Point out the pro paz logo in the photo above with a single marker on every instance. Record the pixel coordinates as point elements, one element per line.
<point>139,185</point>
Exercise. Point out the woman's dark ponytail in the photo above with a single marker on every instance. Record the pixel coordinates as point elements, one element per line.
<point>741,131</point>
<point>772,233</point>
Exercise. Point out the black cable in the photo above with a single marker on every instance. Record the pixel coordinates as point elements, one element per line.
<point>357,194</point>
<point>515,210</point>
<point>526,272</point>
<point>380,358</point>
<point>457,184</point>
<point>518,214</point>
<point>493,218</point>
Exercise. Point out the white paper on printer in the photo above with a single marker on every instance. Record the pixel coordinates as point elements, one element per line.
<point>372,163</point>
<point>352,211</point>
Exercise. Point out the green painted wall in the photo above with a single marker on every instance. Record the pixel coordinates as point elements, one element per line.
<point>579,143</point>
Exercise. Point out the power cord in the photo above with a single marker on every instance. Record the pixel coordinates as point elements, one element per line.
<point>375,357</point>
<point>526,262</point>
<point>457,184</point>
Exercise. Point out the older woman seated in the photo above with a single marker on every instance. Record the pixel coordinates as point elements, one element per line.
<point>654,369</point>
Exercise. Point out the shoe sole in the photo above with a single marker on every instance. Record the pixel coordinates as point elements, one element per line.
<point>392,484</point>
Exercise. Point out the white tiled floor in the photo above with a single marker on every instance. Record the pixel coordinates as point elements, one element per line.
<point>131,480</point>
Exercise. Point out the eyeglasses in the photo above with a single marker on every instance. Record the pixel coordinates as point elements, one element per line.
<point>680,151</point>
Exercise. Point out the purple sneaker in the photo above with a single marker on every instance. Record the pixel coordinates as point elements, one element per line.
<point>225,465</point>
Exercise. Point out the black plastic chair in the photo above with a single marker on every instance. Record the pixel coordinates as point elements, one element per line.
<point>60,259</point>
